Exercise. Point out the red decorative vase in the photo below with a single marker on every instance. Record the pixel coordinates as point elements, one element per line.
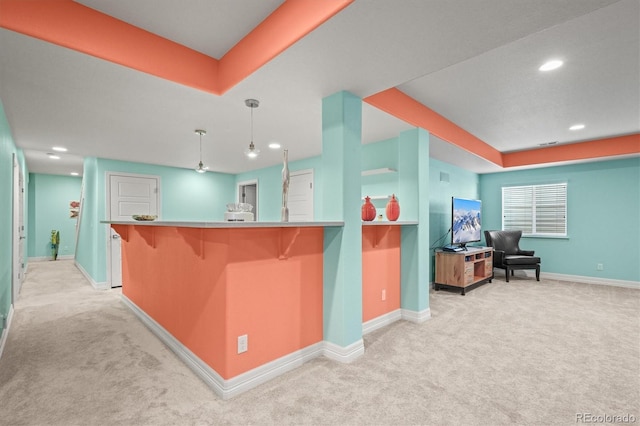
<point>393,209</point>
<point>368,210</point>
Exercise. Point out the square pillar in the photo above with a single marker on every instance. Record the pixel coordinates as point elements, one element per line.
<point>342,268</point>
<point>413,184</point>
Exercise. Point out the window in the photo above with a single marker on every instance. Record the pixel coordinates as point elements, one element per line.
<point>535,209</point>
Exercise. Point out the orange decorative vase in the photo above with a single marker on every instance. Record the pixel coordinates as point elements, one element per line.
<point>368,210</point>
<point>393,209</point>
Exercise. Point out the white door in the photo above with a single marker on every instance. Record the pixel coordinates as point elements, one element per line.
<point>128,195</point>
<point>18,230</point>
<point>131,195</point>
<point>248,193</point>
<point>300,201</point>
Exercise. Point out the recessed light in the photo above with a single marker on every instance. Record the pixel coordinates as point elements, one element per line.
<point>53,156</point>
<point>74,173</point>
<point>577,127</point>
<point>274,145</point>
<point>551,65</point>
<point>59,149</point>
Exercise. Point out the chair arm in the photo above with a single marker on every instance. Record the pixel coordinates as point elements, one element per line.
<point>526,252</point>
<point>498,257</point>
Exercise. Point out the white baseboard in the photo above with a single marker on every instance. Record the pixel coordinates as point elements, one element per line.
<point>416,316</point>
<point>5,331</point>
<point>252,378</point>
<point>586,280</point>
<point>343,354</point>
<point>381,321</point>
<point>96,285</point>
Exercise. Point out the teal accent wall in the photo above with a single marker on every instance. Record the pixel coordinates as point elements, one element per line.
<point>86,249</point>
<point>49,197</point>
<point>7,149</point>
<point>446,181</point>
<point>270,187</point>
<point>185,196</point>
<point>603,207</point>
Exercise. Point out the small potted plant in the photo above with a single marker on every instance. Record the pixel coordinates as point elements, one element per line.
<point>55,243</point>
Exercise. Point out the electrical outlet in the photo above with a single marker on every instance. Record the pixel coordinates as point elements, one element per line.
<point>384,294</point>
<point>600,267</point>
<point>243,343</point>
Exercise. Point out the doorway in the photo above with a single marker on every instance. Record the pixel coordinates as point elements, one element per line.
<point>248,193</point>
<point>18,230</point>
<point>127,195</point>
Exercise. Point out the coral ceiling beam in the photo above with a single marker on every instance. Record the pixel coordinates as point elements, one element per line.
<point>608,147</point>
<point>404,107</point>
<point>75,26</point>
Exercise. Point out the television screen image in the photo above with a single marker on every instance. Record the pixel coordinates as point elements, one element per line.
<point>466,220</point>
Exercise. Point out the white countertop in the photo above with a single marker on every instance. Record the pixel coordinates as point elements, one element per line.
<point>227,224</point>
<point>388,222</point>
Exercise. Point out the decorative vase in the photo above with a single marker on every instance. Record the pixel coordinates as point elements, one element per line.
<point>393,209</point>
<point>284,217</point>
<point>368,210</point>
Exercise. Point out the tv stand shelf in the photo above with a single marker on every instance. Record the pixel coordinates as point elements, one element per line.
<point>463,269</point>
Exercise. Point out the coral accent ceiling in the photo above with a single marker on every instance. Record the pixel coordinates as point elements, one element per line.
<point>400,105</point>
<point>286,25</point>
<point>620,145</point>
<point>75,26</point>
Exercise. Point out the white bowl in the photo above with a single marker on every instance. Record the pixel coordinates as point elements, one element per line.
<point>239,207</point>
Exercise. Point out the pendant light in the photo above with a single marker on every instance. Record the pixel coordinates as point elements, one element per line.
<point>201,167</point>
<point>251,152</point>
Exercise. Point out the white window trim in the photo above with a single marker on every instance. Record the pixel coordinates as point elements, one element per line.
<point>532,219</point>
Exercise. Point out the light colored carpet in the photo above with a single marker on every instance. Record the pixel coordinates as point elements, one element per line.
<point>524,352</point>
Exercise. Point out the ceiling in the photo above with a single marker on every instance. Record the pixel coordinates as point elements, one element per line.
<point>475,63</point>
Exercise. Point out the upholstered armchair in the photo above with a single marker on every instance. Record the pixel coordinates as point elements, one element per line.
<point>507,254</point>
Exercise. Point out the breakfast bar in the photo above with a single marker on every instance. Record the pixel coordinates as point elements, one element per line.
<point>227,297</point>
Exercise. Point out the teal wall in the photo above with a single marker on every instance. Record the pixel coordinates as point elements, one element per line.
<point>446,181</point>
<point>7,151</point>
<point>270,187</point>
<point>603,211</point>
<point>461,183</point>
<point>185,196</point>
<point>49,197</point>
<point>87,247</point>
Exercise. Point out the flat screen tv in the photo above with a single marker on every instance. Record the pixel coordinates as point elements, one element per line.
<point>466,221</point>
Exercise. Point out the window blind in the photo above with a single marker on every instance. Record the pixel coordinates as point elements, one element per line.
<point>535,209</point>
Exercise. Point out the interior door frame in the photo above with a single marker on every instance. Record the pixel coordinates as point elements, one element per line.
<point>107,209</point>
<point>238,195</point>
<point>17,264</point>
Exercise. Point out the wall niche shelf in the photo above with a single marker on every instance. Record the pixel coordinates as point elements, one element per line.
<point>380,171</point>
<point>377,197</point>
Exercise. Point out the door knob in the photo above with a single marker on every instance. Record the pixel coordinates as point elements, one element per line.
<point>115,236</point>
